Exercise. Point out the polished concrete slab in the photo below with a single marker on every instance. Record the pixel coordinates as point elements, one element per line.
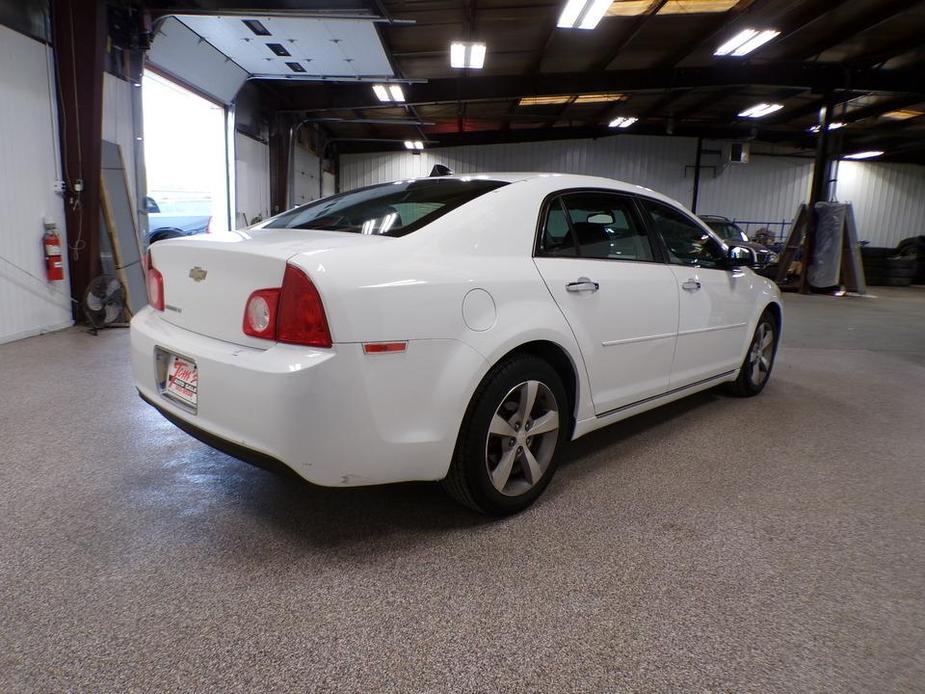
<point>771,544</point>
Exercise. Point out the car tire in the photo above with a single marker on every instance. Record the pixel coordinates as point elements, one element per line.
<point>498,467</point>
<point>759,359</point>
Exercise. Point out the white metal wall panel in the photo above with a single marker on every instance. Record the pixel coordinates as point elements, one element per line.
<point>327,184</point>
<point>305,183</point>
<point>654,162</point>
<point>888,199</point>
<point>28,170</point>
<point>119,123</point>
<point>767,189</point>
<point>252,179</point>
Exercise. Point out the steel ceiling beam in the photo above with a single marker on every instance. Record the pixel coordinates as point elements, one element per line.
<point>815,76</point>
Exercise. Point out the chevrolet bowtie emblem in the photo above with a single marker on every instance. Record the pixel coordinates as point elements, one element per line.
<point>197,274</point>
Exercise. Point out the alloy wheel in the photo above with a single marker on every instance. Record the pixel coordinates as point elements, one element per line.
<point>761,354</point>
<point>522,438</point>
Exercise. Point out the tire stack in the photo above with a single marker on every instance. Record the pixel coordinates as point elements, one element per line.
<point>914,248</point>
<point>886,267</point>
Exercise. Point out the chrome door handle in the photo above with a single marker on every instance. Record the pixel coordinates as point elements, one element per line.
<point>582,284</point>
<point>691,285</point>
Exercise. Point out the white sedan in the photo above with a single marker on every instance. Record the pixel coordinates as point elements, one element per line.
<point>455,328</point>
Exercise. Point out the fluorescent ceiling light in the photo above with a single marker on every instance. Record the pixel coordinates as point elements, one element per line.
<point>746,41</point>
<point>864,155</point>
<point>583,14</point>
<point>544,100</point>
<point>388,92</point>
<point>760,110</point>
<point>622,122</point>
<point>414,144</point>
<point>599,98</point>
<point>832,126</point>
<point>467,55</point>
<point>634,8</point>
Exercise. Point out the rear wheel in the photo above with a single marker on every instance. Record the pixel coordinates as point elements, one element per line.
<point>505,453</point>
<point>759,360</point>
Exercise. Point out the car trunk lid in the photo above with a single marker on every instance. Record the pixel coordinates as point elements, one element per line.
<point>207,281</point>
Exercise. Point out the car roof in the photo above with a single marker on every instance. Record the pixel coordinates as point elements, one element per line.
<point>562,180</point>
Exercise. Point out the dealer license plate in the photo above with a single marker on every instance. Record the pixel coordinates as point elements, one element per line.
<point>182,380</point>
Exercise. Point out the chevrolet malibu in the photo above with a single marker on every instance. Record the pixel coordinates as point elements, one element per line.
<point>456,328</point>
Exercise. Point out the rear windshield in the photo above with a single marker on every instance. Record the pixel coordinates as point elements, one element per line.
<point>390,209</point>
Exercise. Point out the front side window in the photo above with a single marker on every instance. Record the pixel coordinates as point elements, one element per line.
<point>727,231</point>
<point>603,226</point>
<point>390,209</point>
<point>687,242</point>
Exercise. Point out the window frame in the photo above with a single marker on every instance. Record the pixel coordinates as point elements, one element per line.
<point>652,230</point>
<point>634,209</point>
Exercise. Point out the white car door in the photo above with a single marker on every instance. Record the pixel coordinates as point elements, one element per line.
<point>716,302</point>
<point>619,299</point>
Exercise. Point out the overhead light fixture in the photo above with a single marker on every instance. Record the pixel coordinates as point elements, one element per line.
<point>746,41</point>
<point>467,55</point>
<point>583,14</point>
<point>544,100</point>
<point>760,110</point>
<point>903,114</point>
<point>414,144</point>
<point>832,126</point>
<point>622,122</point>
<point>599,98</point>
<point>388,93</point>
<point>634,8</point>
<point>864,155</point>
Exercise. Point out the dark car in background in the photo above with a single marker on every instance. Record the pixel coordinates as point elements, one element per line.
<point>173,217</point>
<point>730,232</point>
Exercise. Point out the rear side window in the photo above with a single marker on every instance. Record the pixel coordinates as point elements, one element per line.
<point>391,209</point>
<point>595,225</point>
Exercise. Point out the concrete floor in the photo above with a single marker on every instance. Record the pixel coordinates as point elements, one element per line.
<point>771,544</point>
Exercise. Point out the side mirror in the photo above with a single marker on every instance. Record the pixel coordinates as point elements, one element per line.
<point>742,256</point>
<point>151,206</point>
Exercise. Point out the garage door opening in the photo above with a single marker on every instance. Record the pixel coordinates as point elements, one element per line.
<point>185,159</point>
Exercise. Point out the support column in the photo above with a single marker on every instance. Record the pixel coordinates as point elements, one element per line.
<point>696,192</point>
<point>79,39</point>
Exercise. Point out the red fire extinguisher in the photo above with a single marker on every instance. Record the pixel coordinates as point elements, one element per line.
<point>53,264</point>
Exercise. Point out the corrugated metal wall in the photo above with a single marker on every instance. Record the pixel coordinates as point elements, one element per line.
<point>654,162</point>
<point>28,159</point>
<point>888,199</point>
<point>767,189</point>
<point>252,179</point>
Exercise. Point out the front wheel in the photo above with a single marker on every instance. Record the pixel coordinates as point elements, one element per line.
<point>505,453</point>
<point>759,360</point>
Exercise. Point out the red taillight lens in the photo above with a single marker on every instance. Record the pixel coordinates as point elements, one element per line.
<point>260,314</point>
<point>300,315</point>
<point>155,282</point>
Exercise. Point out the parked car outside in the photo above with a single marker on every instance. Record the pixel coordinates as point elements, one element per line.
<point>455,328</point>
<point>172,216</point>
<point>731,232</point>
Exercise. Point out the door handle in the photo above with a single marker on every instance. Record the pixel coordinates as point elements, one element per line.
<point>692,285</point>
<point>582,284</point>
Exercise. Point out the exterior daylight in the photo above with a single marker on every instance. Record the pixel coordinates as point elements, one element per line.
<point>470,324</point>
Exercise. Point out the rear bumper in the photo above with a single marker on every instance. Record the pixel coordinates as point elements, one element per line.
<point>336,417</point>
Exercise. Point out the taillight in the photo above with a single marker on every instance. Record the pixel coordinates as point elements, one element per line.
<point>260,314</point>
<point>301,318</point>
<point>155,282</point>
<point>293,314</point>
